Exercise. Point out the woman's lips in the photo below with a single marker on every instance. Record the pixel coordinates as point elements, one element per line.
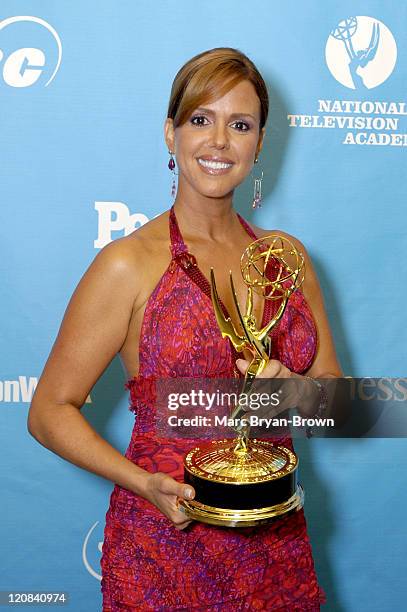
<point>214,167</point>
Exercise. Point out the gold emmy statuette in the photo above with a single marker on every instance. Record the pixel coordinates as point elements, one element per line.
<point>246,481</point>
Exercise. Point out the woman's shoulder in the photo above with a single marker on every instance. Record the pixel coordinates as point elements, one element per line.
<point>311,283</point>
<point>139,247</point>
<point>262,233</point>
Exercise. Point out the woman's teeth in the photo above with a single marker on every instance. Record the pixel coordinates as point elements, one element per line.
<point>213,164</point>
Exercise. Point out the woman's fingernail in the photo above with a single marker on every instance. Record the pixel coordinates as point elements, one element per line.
<point>188,493</point>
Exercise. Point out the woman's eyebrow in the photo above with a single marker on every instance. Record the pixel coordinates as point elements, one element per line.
<point>232,116</point>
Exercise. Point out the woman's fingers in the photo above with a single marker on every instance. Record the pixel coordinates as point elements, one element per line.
<point>242,365</point>
<point>169,486</point>
<point>183,525</point>
<point>272,369</point>
<point>275,381</point>
<point>165,493</point>
<point>182,522</point>
<point>178,515</point>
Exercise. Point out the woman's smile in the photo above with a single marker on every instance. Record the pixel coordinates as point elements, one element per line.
<point>214,165</point>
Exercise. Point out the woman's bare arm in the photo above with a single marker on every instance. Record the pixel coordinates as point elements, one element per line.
<point>325,364</point>
<point>92,332</point>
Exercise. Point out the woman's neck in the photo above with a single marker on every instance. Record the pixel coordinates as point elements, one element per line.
<point>204,217</point>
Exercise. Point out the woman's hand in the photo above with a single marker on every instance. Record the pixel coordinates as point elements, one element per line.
<point>164,492</point>
<point>295,391</point>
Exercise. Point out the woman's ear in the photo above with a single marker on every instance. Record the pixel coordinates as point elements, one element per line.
<point>169,134</point>
<point>260,141</point>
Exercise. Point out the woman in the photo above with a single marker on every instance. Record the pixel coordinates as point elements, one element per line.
<point>146,297</point>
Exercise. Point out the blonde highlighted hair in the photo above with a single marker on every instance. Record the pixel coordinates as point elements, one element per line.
<point>209,76</point>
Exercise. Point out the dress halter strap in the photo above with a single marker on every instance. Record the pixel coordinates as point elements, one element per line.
<point>247,227</point>
<point>177,242</point>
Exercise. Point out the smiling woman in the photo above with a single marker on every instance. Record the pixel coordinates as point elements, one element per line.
<point>146,297</point>
<point>219,107</point>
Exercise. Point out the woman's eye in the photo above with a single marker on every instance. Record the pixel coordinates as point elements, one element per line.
<point>200,118</point>
<point>245,125</point>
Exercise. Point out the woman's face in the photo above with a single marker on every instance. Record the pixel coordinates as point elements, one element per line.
<point>216,147</point>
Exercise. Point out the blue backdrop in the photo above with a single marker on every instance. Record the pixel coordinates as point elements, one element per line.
<point>83,93</point>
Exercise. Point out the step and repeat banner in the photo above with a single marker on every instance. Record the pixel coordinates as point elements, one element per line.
<point>84,88</point>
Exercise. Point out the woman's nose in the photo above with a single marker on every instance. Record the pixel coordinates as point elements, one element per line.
<point>219,136</point>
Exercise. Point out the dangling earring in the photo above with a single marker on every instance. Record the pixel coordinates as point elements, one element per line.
<point>171,165</point>
<point>257,190</point>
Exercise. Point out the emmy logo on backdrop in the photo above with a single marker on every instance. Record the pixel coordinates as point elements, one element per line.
<point>361,52</point>
<point>344,32</point>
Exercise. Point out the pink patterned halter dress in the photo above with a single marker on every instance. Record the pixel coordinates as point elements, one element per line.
<point>146,563</point>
